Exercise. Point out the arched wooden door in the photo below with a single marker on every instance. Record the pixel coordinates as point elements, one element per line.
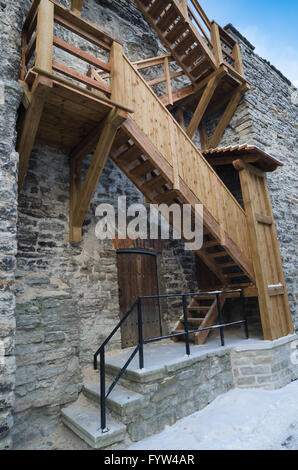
<point>137,276</point>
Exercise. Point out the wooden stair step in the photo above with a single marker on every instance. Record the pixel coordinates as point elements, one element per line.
<point>193,55</point>
<point>165,197</point>
<point>167,19</point>
<point>193,320</point>
<point>200,67</point>
<point>235,275</point>
<point>157,180</point>
<point>157,8</point>
<point>174,34</point>
<point>202,308</point>
<point>231,264</point>
<point>142,169</point>
<point>210,244</point>
<point>130,155</point>
<point>184,44</point>
<point>219,254</point>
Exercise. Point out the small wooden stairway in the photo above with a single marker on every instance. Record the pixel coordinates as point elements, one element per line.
<point>192,51</point>
<point>201,313</point>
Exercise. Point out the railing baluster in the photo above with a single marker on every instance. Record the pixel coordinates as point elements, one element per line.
<point>187,343</point>
<point>222,338</point>
<point>245,324</point>
<point>141,339</point>
<point>103,392</point>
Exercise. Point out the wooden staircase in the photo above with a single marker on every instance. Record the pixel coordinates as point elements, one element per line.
<point>201,313</point>
<point>191,51</point>
<point>160,159</point>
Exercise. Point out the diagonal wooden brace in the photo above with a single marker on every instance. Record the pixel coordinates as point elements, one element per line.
<point>80,197</point>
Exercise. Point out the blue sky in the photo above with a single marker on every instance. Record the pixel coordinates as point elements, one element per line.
<point>271,26</point>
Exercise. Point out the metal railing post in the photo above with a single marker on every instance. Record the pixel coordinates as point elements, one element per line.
<point>103,392</point>
<point>243,302</point>
<point>187,343</point>
<point>222,338</point>
<point>141,338</point>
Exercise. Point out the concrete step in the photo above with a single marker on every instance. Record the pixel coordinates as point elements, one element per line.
<point>121,401</point>
<point>83,418</point>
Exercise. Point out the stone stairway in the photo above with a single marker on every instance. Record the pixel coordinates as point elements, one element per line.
<point>83,416</point>
<point>170,387</point>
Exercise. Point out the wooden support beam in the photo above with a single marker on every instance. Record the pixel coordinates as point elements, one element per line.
<point>30,126</point>
<point>75,233</point>
<point>76,6</point>
<point>227,116</point>
<point>111,125</point>
<point>203,135</point>
<point>202,106</point>
<point>45,36</point>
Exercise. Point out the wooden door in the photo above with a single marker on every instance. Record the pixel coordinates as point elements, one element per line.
<point>137,276</point>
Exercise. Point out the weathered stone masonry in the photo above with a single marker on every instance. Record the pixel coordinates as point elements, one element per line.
<point>67,296</point>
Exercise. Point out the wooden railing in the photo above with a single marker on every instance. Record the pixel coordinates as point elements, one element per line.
<point>185,159</point>
<point>46,22</point>
<point>225,48</point>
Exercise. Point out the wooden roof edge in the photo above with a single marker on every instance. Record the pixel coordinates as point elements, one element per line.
<point>246,149</point>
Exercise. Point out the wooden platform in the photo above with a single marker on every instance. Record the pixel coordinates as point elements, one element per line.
<point>69,116</point>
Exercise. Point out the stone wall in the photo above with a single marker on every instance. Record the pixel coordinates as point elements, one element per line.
<point>270,365</point>
<point>11,17</point>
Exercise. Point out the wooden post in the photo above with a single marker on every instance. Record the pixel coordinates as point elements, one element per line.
<point>168,80</point>
<point>45,36</point>
<point>76,6</point>
<point>274,306</point>
<point>238,59</point>
<point>117,73</point>
<point>216,43</point>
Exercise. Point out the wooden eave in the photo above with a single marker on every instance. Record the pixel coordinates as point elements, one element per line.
<point>248,153</point>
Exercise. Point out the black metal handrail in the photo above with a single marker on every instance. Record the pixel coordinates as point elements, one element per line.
<point>140,347</point>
